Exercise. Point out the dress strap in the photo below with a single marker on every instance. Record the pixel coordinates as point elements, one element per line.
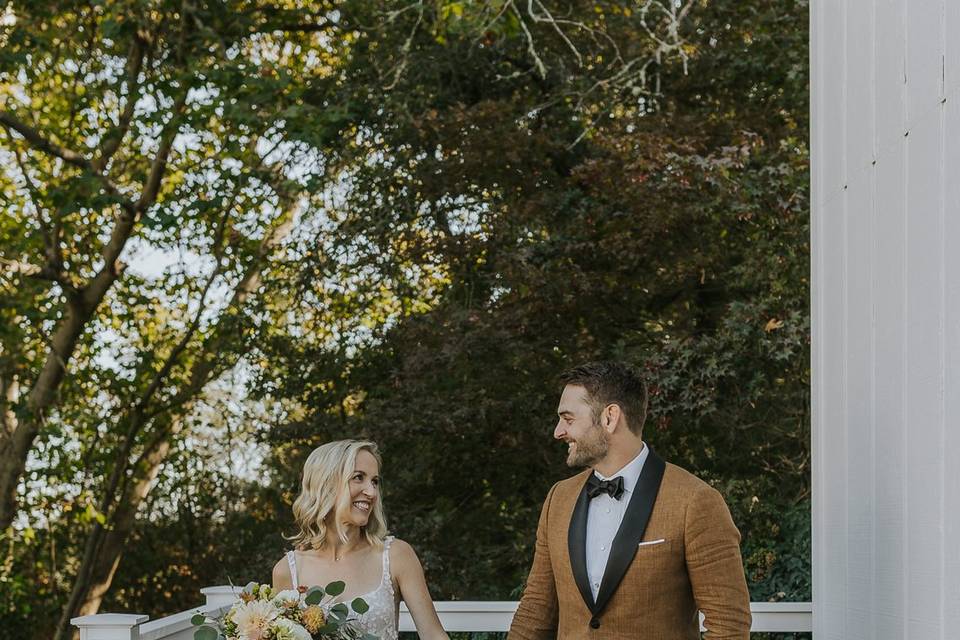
<point>386,561</point>
<point>292,561</point>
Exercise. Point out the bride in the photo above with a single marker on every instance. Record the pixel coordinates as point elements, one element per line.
<point>342,536</point>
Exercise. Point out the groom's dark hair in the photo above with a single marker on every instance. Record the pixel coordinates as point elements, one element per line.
<point>608,383</point>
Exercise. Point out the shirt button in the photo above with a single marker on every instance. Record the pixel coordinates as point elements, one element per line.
<point>608,510</point>
<point>596,584</point>
<point>602,548</point>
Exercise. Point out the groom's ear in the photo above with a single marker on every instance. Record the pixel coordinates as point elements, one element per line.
<point>611,417</point>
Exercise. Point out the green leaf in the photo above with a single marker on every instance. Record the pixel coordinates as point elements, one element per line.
<point>360,605</point>
<point>330,627</point>
<point>340,611</point>
<point>314,595</point>
<point>336,588</point>
<point>198,619</point>
<point>206,633</point>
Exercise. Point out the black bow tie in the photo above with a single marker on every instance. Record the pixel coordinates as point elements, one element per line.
<point>596,486</point>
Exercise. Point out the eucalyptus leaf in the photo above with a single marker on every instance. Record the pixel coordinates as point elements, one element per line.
<point>360,605</point>
<point>336,588</point>
<point>340,611</point>
<point>314,595</point>
<point>198,619</point>
<point>206,633</point>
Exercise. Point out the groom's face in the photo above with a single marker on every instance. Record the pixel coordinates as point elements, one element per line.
<point>587,442</point>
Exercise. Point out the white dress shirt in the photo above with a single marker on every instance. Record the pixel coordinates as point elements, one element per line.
<point>604,515</point>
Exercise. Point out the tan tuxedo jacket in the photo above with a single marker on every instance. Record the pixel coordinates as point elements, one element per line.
<point>649,591</point>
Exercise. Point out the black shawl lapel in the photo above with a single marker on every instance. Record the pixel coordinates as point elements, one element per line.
<point>577,544</point>
<point>631,529</point>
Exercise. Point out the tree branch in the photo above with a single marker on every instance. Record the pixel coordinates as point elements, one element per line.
<point>531,47</point>
<point>51,231</point>
<point>304,27</point>
<point>40,143</point>
<point>36,139</point>
<point>138,416</point>
<point>181,346</point>
<point>111,141</point>
<point>159,165</point>
<point>405,51</point>
<point>79,308</point>
<point>112,267</point>
<point>205,366</point>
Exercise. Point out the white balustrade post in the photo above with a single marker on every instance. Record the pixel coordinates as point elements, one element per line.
<point>110,626</point>
<point>221,596</point>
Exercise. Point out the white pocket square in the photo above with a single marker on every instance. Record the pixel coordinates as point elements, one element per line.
<point>650,542</point>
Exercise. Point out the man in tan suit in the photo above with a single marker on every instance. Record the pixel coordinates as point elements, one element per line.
<point>632,547</point>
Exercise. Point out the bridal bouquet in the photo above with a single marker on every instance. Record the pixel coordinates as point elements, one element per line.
<point>264,614</point>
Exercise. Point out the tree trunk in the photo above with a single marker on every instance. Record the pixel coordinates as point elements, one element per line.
<point>15,448</point>
<point>81,306</point>
<point>104,546</point>
<point>9,398</point>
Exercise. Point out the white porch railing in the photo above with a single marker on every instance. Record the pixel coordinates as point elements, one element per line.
<point>771,617</point>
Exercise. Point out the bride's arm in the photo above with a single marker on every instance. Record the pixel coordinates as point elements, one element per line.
<point>414,591</point>
<point>281,576</point>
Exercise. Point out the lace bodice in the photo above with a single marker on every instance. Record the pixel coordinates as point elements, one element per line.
<point>381,619</point>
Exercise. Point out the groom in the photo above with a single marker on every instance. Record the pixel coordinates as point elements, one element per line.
<point>632,547</point>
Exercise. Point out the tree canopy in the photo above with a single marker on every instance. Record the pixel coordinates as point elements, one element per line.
<point>391,220</point>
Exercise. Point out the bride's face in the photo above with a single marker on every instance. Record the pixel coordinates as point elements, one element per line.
<point>364,488</point>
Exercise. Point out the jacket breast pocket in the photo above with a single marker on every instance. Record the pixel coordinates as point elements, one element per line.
<point>658,553</point>
<point>653,543</point>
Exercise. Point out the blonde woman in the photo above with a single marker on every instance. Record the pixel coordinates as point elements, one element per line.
<point>343,536</point>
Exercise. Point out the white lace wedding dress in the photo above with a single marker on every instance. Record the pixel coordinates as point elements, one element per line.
<point>381,619</point>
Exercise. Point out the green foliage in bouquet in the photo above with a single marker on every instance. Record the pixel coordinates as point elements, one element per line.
<point>261,612</point>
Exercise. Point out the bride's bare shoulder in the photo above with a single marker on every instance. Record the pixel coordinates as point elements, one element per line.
<point>402,555</point>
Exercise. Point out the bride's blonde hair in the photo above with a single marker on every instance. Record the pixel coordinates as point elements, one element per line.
<point>326,491</point>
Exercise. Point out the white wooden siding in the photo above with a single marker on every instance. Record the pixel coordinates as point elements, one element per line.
<point>885,150</point>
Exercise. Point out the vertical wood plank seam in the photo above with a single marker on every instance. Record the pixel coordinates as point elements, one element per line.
<point>941,341</point>
<point>893,144</point>
<point>816,297</point>
<point>904,398</point>
<point>845,301</point>
<point>872,230</point>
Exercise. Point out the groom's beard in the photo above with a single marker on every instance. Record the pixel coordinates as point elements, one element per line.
<point>589,449</point>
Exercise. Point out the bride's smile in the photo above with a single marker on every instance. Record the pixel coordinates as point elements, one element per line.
<point>364,489</point>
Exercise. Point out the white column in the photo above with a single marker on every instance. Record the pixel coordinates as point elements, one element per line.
<point>221,596</point>
<point>885,227</point>
<point>110,626</point>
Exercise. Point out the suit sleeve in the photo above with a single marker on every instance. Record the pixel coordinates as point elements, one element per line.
<point>537,613</point>
<point>715,568</point>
